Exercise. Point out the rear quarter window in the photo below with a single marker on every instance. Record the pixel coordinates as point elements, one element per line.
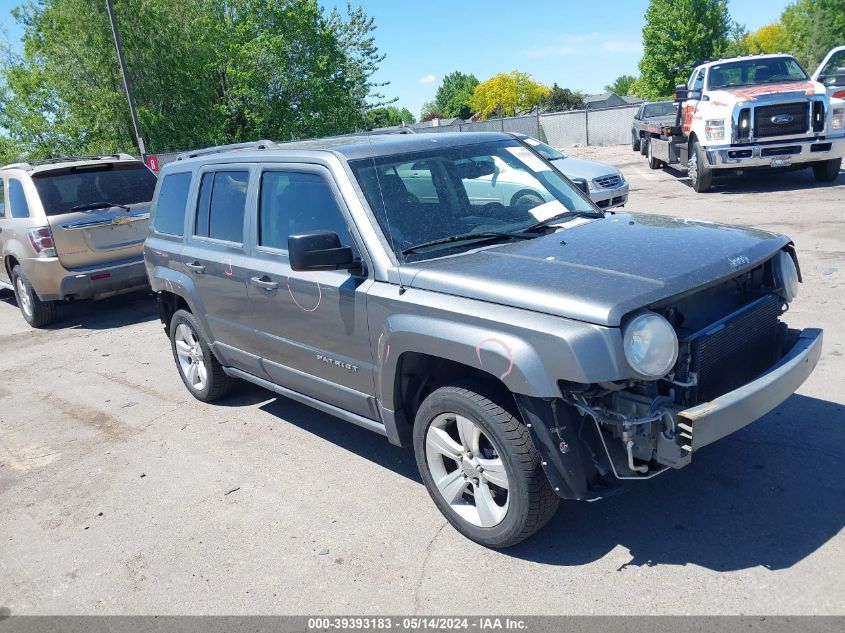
<point>169,210</point>
<point>18,206</point>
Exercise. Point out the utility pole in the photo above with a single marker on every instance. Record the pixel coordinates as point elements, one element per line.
<point>129,96</point>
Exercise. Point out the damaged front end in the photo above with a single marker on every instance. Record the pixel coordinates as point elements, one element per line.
<point>735,362</point>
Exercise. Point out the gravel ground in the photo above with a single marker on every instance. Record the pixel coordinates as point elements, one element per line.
<point>124,495</point>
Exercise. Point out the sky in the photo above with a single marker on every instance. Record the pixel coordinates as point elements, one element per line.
<point>578,44</point>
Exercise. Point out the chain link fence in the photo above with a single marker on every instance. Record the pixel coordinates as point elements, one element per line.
<point>604,126</point>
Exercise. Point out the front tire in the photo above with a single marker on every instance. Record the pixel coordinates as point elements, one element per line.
<point>827,170</point>
<point>36,312</point>
<point>480,467</point>
<point>698,169</point>
<point>199,369</point>
<point>635,142</point>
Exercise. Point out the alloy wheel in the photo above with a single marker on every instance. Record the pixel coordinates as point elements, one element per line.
<point>24,298</point>
<point>467,469</point>
<point>191,357</point>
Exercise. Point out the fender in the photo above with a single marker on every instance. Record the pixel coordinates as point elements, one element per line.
<point>503,355</point>
<point>163,279</point>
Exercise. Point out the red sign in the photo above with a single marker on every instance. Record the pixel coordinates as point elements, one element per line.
<point>151,161</point>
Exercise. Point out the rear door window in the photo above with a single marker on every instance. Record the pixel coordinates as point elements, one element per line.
<point>170,206</point>
<point>18,207</point>
<point>221,205</point>
<point>75,188</point>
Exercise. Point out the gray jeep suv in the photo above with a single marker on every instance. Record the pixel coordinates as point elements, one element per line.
<point>529,350</point>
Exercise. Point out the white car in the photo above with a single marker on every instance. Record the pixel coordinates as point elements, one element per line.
<point>608,187</point>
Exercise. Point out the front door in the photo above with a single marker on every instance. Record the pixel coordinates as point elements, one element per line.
<point>311,327</point>
<point>214,259</point>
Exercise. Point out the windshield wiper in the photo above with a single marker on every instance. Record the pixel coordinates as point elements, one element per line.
<point>464,237</point>
<point>562,216</point>
<point>90,206</point>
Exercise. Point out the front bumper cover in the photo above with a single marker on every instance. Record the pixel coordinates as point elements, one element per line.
<point>805,150</point>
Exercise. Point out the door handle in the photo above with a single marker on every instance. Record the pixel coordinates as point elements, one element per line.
<point>196,267</point>
<point>265,283</point>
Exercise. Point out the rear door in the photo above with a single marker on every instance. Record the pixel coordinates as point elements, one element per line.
<point>213,257</point>
<point>98,213</point>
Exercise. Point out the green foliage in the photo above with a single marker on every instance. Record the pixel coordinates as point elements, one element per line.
<point>429,111</point>
<point>203,72</point>
<point>678,32</point>
<point>812,28</point>
<point>388,116</point>
<point>454,94</point>
<point>622,85</point>
<point>508,94</point>
<point>561,99</point>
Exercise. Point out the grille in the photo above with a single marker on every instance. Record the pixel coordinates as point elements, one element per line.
<point>611,181</point>
<point>736,349</point>
<point>763,125</point>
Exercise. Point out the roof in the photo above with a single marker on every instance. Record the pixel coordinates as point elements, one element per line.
<point>631,99</point>
<point>602,97</point>
<point>349,147</point>
<point>64,162</point>
<point>715,62</point>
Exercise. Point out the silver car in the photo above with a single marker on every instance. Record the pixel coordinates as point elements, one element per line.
<point>608,187</point>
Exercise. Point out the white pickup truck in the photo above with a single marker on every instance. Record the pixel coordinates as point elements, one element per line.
<point>754,112</point>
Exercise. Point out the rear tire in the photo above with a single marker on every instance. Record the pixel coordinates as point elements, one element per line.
<point>644,143</point>
<point>36,312</point>
<point>635,141</point>
<point>198,367</point>
<point>473,451</point>
<point>699,170</point>
<point>653,163</point>
<point>827,170</point>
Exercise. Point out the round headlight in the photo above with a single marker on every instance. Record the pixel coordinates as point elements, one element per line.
<point>651,345</point>
<point>787,275</point>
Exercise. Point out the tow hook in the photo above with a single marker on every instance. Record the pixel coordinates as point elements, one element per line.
<point>629,448</point>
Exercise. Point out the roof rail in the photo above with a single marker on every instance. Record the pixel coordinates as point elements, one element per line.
<point>65,159</point>
<point>263,144</point>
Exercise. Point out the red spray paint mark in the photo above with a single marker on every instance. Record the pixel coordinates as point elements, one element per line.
<point>504,346</point>
<point>299,305</point>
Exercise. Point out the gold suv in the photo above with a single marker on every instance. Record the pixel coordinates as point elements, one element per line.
<point>72,228</point>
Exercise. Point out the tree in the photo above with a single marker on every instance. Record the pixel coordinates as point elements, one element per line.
<point>562,99</point>
<point>622,85</point>
<point>429,112</point>
<point>812,28</point>
<point>203,71</point>
<point>454,94</point>
<point>507,94</point>
<point>388,116</point>
<point>677,33</point>
<point>771,38</point>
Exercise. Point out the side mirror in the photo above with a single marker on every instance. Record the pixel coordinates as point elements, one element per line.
<point>320,250</point>
<point>681,93</point>
<point>472,169</point>
<point>582,184</point>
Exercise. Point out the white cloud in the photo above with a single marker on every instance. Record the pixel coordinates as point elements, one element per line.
<point>427,79</point>
<point>569,44</point>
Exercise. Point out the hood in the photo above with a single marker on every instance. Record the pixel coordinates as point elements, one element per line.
<point>599,270</point>
<point>753,93</point>
<point>580,168</point>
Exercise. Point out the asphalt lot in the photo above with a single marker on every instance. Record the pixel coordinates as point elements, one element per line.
<point>122,494</point>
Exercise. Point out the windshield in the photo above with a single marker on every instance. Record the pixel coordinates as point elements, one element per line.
<point>753,72</point>
<point>89,185</point>
<point>500,186</point>
<point>659,109</point>
<point>546,151</point>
